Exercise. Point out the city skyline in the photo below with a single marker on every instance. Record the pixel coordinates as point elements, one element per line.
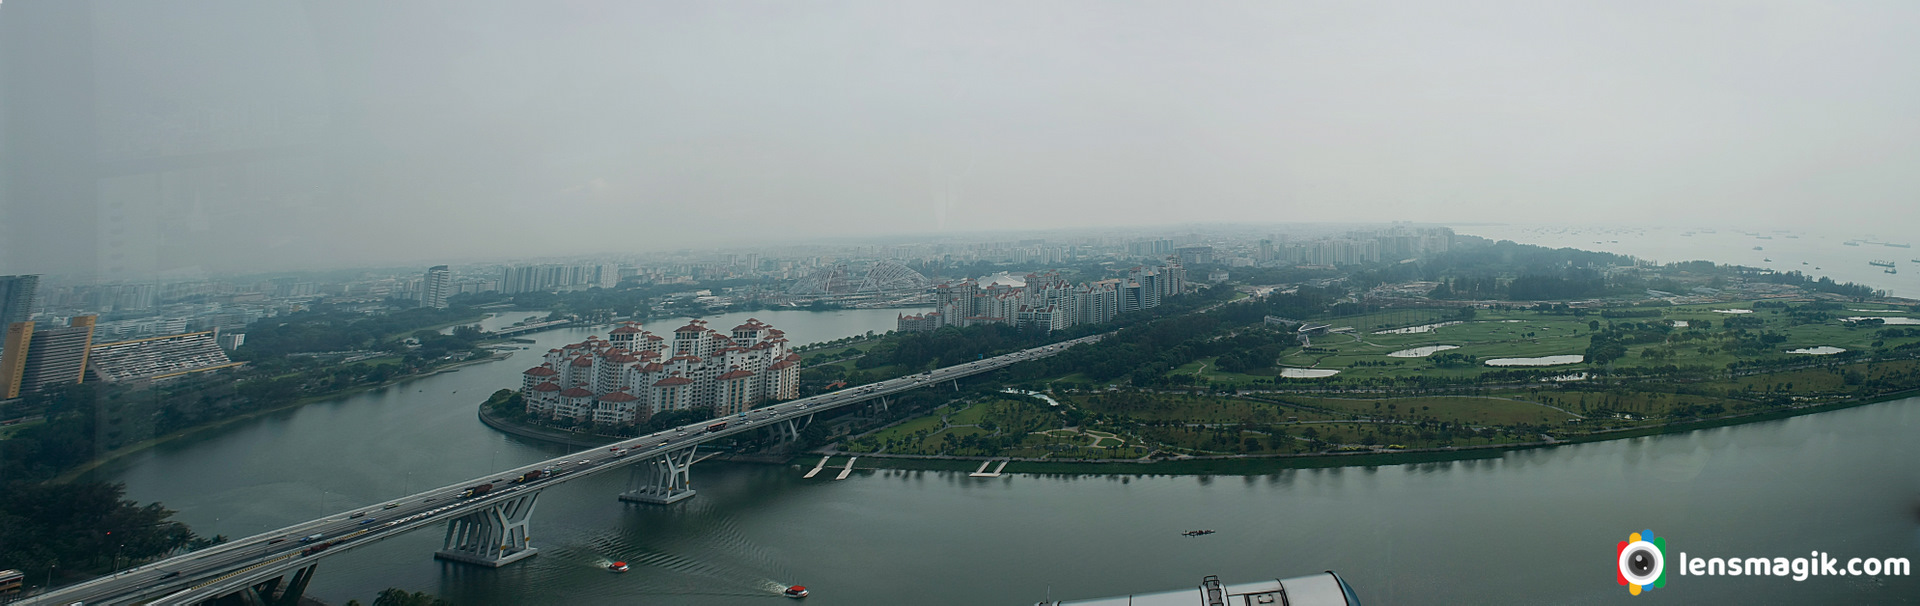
<point>1243,301</point>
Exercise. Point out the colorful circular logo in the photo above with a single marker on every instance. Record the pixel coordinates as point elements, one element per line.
<point>1642,560</point>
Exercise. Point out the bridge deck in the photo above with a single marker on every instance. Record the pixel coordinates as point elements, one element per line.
<point>232,566</point>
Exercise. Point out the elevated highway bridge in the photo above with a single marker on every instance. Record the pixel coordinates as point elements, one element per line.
<point>484,526</point>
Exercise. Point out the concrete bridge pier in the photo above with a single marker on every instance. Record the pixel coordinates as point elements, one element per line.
<point>668,480</point>
<point>493,537</point>
<point>790,428</point>
<point>269,592</point>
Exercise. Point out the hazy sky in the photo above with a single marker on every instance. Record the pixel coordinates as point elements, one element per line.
<point>425,129</point>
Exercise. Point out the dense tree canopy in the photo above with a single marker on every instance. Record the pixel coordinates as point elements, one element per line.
<point>84,527</point>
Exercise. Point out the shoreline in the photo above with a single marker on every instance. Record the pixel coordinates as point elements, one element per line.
<point>566,438</point>
<point>1216,465</point>
<point>136,447</point>
<point>1264,464</point>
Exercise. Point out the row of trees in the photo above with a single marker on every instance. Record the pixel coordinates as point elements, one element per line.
<point>1146,352</point>
<point>331,328</point>
<point>1822,284</point>
<point>1572,283</point>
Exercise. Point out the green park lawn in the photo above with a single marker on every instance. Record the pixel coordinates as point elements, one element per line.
<point>1190,408</point>
<point>943,430</point>
<point>1468,410</point>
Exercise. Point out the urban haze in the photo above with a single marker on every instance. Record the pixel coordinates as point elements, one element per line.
<point>337,134</point>
<point>1063,303</point>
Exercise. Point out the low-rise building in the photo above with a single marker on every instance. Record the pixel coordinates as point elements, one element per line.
<point>158,358</point>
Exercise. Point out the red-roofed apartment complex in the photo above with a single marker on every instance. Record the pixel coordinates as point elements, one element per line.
<point>633,374</point>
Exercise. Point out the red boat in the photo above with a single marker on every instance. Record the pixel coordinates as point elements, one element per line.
<point>795,592</point>
<point>618,567</point>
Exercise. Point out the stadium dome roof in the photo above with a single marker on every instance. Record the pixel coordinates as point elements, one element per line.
<point>843,279</point>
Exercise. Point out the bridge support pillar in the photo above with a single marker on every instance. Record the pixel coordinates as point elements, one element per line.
<point>668,480</point>
<point>268,592</point>
<point>790,428</point>
<point>494,537</point>
<point>265,593</point>
<point>295,588</point>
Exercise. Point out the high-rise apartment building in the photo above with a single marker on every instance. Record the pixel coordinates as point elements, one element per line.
<point>1195,255</point>
<point>13,358</point>
<point>1101,301</point>
<point>1045,300</point>
<point>606,276</point>
<point>16,298</point>
<point>1150,248</point>
<point>1392,244</point>
<point>537,278</point>
<point>37,358</point>
<point>435,288</point>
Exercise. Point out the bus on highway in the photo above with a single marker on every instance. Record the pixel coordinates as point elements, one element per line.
<point>10,581</point>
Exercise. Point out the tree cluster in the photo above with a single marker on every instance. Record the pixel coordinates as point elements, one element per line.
<point>328,328</point>
<point>84,527</point>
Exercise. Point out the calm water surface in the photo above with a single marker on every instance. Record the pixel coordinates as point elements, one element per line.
<point>1530,527</point>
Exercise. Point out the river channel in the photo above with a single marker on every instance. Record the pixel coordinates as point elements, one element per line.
<point>1537,526</point>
